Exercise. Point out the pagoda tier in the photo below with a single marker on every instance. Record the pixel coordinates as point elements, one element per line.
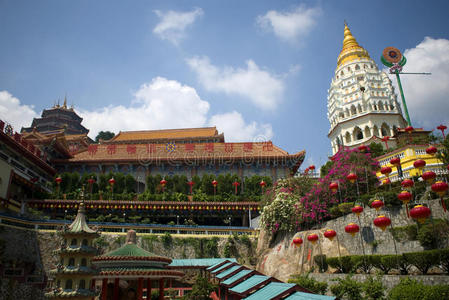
<point>73,275</point>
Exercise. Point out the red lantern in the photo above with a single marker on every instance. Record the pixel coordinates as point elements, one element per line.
<point>420,213</point>
<point>419,164</point>
<point>431,150</point>
<point>297,241</point>
<point>386,181</point>
<point>163,182</point>
<point>352,228</point>
<point>357,210</point>
<point>386,171</point>
<point>236,185</point>
<point>333,186</point>
<point>407,183</point>
<point>112,181</point>
<point>409,129</point>
<point>405,196</point>
<point>442,128</point>
<point>352,177</point>
<point>312,238</point>
<point>262,184</point>
<point>312,167</point>
<point>382,222</point>
<point>395,161</point>
<point>214,182</point>
<point>58,180</point>
<point>330,234</point>
<point>190,183</point>
<point>91,181</point>
<point>429,176</point>
<point>440,187</point>
<point>362,148</point>
<point>377,204</point>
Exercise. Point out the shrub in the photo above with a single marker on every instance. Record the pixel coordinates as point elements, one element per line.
<point>167,240</point>
<point>403,233</point>
<point>311,284</point>
<point>424,260</point>
<point>373,288</point>
<point>320,261</point>
<point>409,289</point>
<point>444,258</point>
<point>388,262</point>
<point>432,235</point>
<point>347,288</point>
<point>335,212</point>
<point>345,208</point>
<point>361,262</point>
<point>343,264</point>
<point>404,265</point>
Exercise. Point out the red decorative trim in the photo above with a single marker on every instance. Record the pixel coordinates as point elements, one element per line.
<point>142,272</point>
<point>138,258</point>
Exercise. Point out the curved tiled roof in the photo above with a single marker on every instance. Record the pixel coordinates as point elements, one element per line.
<point>79,225</point>
<point>182,133</point>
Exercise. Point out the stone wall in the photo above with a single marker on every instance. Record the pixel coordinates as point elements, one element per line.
<point>278,257</point>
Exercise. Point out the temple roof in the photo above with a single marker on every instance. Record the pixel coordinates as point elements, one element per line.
<point>79,225</point>
<point>165,134</point>
<point>351,49</point>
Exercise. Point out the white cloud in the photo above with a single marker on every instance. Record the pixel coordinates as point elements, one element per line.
<point>173,24</point>
<point>292,25</point>
<point>236,130</point>
<point>162,103</point>
<point>259,86</point>
<point>11,111</point>
<point>427,96</point>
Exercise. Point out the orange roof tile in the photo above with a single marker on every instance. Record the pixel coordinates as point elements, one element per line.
<point>164,134</point>
<point>149,152</point>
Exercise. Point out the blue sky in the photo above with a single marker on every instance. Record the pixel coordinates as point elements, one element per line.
<point>256,69</point>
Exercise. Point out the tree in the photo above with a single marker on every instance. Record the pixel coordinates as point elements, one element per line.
<point>201,289</point>
<point>376,149</point>
<point>104,135</point>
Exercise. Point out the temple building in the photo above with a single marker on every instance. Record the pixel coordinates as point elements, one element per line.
<point>362,105</point>
<point>74,274</point>
<point>189,152</point>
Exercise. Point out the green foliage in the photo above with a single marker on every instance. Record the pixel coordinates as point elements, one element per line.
<point>388,262</point>
<point>403,233</point>
<point>424,260</point>
<point>320,261</point>
<point>201,289</point>
<point>344,264</point>
<point>376,149</point>
<point>313,285</point>
<point>373,288</point>
<point>409,289</point>
<point>167,240</point>
<point>345,208</point>
<point>433,234</point>
<point>347,288</point>
<point>324,170</point>
<point>104,135</point>
<point>362,263</point>
<point>444,259</point>
<point>443,152</point>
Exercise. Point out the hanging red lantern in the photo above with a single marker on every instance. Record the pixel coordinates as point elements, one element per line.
<point>313,238</point>
<point>236,185</point>
<point>191,184</point>
<point>419,164</point>
<point>297,241</point>
<point>442,128</point>
<point>362,148</point>
<point>58,180</point>
<point>429,176</point>
<point>386,181</point>
<point>312,167</point>
<point>214,182</point>
<point>112,181</point>
<point>409,129</point>
<point>395,161</point>
<point>382,222</point>
<point>440,187</point>
<point>420,213</point>
<point>330,234</point>
<point>352,228</point>
<point>352,177</point>
<point>91,181</point>
<point>333,186</point>
<point>407,183</point>
<point>377,204</point>
<point>405,196</point>
<point>431,150</point>
<point>386,171</point>
<point>357,210</point>
<point>163,182</point>
<point>262,184</point>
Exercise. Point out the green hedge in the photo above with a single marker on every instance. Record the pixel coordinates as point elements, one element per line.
<point>423,261</point>
<point>409,289</point>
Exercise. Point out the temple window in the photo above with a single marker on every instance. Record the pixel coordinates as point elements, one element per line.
<point>357,67</point>
<point>71,262</point>
<point>68,284</point>
<point>85,243</point>
<point>82,284</point>
<point>83,262</point>
<point>73,242</point>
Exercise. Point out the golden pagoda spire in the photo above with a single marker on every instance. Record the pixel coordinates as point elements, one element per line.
<point>65,101</point>
<point>351,49</point>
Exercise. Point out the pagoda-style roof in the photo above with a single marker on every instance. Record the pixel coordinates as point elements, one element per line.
<point>79,225</point>
<point>351,49</point>
<point>79,270</point>
<point>209,134</point>
<point>83,249</point>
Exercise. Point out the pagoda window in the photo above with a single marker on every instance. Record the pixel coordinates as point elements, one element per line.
<point>395,130</point>
<point>341,73</point>
<point>381,107</point>
<point>71,262</point>
<point>68,284</point>
<point>58,283</point>
<point>375,130</point>
<point>84,262</point>
<point>349,69</point>
<point>348,137</point>
<point>385,129</point>
<point>364,66</point>
<point>367,132</point>
<point>358,134</point>
<point>353,110</point>
<point>391,107</point>
<point>82,284</point>
<point>357,67</point>
<point>73,242</point>
<point>84,243</point>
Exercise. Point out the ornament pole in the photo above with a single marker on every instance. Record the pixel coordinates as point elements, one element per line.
<point>403,98</point>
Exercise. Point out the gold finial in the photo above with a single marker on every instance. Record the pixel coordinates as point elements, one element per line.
<point>65,101</point>
<point>349,40</point>
<point>351,49</point>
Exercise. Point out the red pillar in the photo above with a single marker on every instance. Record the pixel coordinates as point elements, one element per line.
<point>219,292</point>
<point>226,294</point>
<point>139,288</point>
<point>92,287</point>
<point>104,289</point>
<point>116,286</point>
<point>149,288</point>
<point>161,289</point>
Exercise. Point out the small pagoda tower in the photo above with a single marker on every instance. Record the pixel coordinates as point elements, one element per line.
<point>74,273</point>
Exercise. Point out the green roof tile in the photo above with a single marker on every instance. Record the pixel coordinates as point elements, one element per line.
<point>236,277</point>
<point>130,250</point>
<point>270,291</point>
<point>308,296</point>
<point>249,283</point>
<point>217,270</point>
<point>199,262</point>
<point>228,271</point>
